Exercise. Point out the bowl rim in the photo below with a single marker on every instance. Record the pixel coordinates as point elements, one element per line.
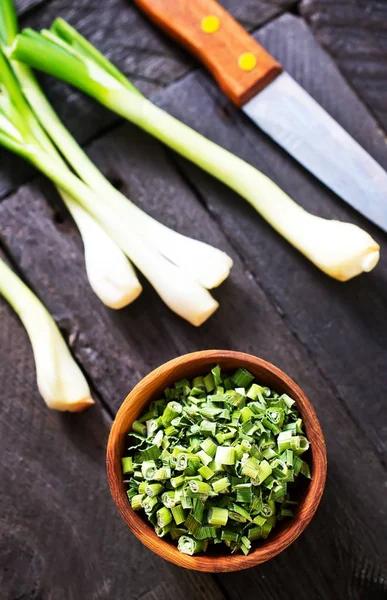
<point>277,542</point>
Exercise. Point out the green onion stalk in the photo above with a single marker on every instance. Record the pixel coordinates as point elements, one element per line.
<point>181,269</point>
<point>61,383</point>
<point>110,274</point>
<point>342,250</point>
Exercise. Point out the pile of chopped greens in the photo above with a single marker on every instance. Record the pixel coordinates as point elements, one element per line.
<point>215,461</point>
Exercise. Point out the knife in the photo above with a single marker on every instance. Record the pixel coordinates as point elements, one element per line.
<point>256,83</point>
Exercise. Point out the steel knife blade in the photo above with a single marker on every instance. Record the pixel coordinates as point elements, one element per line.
<point>275,102</point>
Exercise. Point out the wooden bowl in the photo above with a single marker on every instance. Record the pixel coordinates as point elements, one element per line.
<point>151,388</point>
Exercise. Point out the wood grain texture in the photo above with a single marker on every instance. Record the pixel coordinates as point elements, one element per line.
<point>344,330</point>
<point>220,50</point>
<point>117,349</point>
<point>354,32</point>
<point>141,51</point>
<point>60,534</point>
<point>27,218</point>
<point>23,6</point>
<point>267,308</point>
<point>151,388</point>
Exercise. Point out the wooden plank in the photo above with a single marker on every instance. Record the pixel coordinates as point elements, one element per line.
<point>348,534</point>
<point>141,51</point>
<point>341,325</point>
<point>29,225</point>
<point>355,35</point>
<point>254,13</point>
<point>23,6</point>
<point>60,534</point>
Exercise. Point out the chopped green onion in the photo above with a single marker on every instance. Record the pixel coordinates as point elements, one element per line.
<point>264,470</point>
<point>186,501</point>
<point>208,427</point>
<point>209,447</point>
<point>162,531</point>
<point>179,514</point>
<point>209,382</point>
<point>148,503</point>
<point>221,485</point>
<point>198,509</point>
<point>229,535</point>
<point>169,498</point>
<point>148,469</point>
<point>266,529</point>
<point>218,516</point>
<point>250,467</point>
<point>164,517</point>
<point>303,445</point>
<point>206,472</point>
<point>151,452</point>
<point>232,493</point>
<point>151,426</point>
<point>205,458</point>
<point>288,400</point>
<point>305,470</point>
<point>188,545</point>
<point>199,487</point>
<point>136,501</point>
<point>206,532</point>
<point>254,533</point>
<point>225,455</point>
<point>267,511</point>
<point>244,493</point>
<point>153,489</point>
<point>246,414</point>
<point>172,410</point>
<point>127,464</point>
<point>259,520</point>
<point>216,375</point>
<point>246,544</point>
<point>142,486</point>
<point>139,427</point>
<point>240,514</point>
<point>193,525</point>
<point>242,378</point>
<point>177,481</point>
<point>162,474</point>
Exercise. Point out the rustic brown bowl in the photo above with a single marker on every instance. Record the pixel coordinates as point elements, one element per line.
<point>150,388</point>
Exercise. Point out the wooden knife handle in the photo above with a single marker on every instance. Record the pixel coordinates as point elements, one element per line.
<point>239,64</point>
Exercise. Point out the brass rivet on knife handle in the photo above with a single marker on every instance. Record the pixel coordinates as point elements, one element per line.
<point>241,66</point>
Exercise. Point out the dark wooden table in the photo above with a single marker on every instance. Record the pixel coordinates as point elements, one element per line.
<point>61,537</point>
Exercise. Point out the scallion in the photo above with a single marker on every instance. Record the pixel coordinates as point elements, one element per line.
<point>341,250</point>
<point>180,269</point>
<point>61,382</point>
